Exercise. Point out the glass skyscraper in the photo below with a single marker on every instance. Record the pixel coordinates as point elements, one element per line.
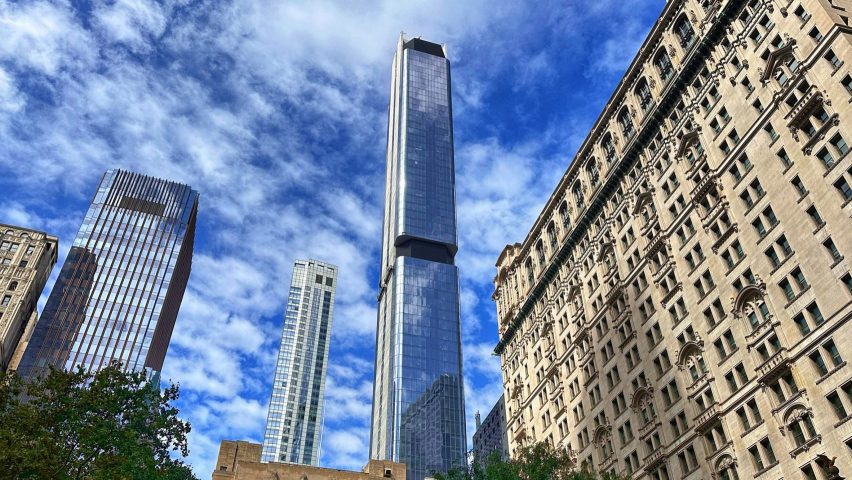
<point>294,423</point>
<point>418,396</point>
<point>120,288</point>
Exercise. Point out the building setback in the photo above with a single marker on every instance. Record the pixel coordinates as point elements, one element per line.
<point>490,435</point>
<point>418,399</point>
<point>681,306</point>
<point>294,423</point>
<point>26,259</point>
<point>241,461</point>
<point>120,288</point>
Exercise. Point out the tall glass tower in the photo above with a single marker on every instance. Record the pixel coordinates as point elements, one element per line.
<point>294,423</point>
<point>120,288</point>
<point>418,397</point>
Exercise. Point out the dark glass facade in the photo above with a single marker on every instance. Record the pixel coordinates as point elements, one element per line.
<point>294,423</point>
<point>120,288</point>
<point>418,398</point>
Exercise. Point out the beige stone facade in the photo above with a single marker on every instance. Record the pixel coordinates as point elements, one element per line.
<point>681,307</point>
<point>26,259</point>
<point>241,461</point>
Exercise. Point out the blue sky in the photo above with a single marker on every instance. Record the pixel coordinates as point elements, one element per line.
<point>276,112</point>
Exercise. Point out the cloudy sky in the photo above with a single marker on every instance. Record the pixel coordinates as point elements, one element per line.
<point>276,112</point>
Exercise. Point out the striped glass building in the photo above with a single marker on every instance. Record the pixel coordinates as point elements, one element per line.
<point>120,288</point>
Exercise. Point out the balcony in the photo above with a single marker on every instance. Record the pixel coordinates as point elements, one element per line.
<point>724,236</point>
<point>714,212</point>
<point>671,294</point>
<point>704,185</point>
<point>664,269</point>
<point>760,331</point>
<point>704,420</point>
<point>657,242</point>
<point>655,458</point>
<point>649,427</point>
<point>773,366</point>
<point>613,293</point>
<point>698,385</point>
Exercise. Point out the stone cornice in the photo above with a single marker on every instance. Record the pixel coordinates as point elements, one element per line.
<point>630,154</point>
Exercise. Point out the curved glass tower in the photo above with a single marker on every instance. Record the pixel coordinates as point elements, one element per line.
<point>418,397</point>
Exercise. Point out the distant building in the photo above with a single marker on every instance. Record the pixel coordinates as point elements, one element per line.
<point>418,339</point>
<point>682,306</point>
<point>490,435</point>
<point>294,422</point>
<point>120,288</point>
<point>26,259</point>
<point>241,461</point>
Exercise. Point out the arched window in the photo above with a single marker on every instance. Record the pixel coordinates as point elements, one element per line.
<point>551,237</point>
<point>603,440</point>
<point>626,123</point>
<point>664,65</point>
<point>685,33</point>
<point>643,94</point>
<point>726,468</point>
<point>578,196</point>
<point>697,367</point>
<point>608,148</point>
<point>593,172</point>
<point>566,217</point>
<point>801,425</point>
<point>785,68</point>
<point>539,252</point>
<point>750,303</point>
<point>756,312</point>
<point>530,272</point>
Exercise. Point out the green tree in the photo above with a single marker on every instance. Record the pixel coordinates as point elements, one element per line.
<point>536,462</point>
<point>80,425</point>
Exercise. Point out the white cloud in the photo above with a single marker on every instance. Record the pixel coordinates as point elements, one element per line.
<point>44,37</point>
<point>134,23</point>
<point>11,101</point>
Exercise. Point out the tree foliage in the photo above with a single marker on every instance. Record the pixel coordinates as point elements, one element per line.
<point>537,462</point>
<point>80,425</point>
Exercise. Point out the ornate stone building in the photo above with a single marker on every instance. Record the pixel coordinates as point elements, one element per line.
<point>681,306</point>
<point>26,259</point>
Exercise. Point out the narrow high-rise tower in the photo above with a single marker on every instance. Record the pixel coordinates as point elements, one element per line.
<point>294,423</point>
<point>120,288</point>
<point>418,397</point>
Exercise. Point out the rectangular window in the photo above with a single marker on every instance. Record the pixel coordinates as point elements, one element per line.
<point>833,353</point>
<point>785,159</point>
<point>832,250</point>
<point>837,404</point>
<point>843,187</point>
<point>826,158</point>
<point>839,144</point>
<point>816,314</point>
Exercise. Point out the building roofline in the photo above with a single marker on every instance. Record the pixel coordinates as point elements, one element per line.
<point>669,11</point>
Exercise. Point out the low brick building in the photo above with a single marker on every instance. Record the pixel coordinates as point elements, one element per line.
<point>241,461</point>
